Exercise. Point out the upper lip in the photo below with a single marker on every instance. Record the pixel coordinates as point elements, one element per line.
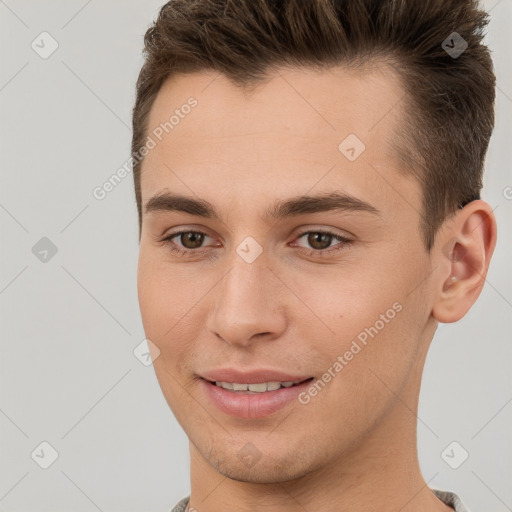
<point>256,376</point>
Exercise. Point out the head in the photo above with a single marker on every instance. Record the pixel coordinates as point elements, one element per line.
<point>342,146</point>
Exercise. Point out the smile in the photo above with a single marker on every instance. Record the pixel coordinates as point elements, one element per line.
<point>261,387</point>
<point>253,400</point>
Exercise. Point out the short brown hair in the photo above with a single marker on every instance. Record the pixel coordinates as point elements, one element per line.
<point>449,112</point>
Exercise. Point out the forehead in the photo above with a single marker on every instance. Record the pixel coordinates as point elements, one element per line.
<point>299,127</point>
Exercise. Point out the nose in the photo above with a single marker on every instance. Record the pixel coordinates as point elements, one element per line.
<point>249,304</point>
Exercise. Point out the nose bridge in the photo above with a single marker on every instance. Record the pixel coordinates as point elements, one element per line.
<point>245,304</point>
<point>242,284</point>
<point>242,292</point>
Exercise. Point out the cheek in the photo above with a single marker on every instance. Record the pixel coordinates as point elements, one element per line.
<point>364,330</point>
<point>166,306</point>
<point>364,366</point>
<point>343,302</point>
<point>172,302</point>
<point>165,295</point>
<point>151,295</point>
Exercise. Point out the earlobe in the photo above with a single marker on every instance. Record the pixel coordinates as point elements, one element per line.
<point>464,252</point>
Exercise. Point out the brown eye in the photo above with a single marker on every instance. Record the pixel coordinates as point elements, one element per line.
<point>191,239</point>
<point>319,243</point>
<point>319,240</point>
<point>186,243</point>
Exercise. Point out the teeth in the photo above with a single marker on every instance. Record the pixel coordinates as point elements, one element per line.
<point>256,388</point>
<point>271,386</point>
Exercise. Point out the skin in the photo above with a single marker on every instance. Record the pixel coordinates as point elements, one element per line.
<point>353,446</point>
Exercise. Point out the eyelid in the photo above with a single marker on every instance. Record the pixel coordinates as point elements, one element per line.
<point>169,237</point>
<point>328,230</point>
<point>183,229</point>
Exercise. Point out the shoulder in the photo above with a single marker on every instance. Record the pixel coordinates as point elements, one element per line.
<point>181,505</point>
<point>451,499</point>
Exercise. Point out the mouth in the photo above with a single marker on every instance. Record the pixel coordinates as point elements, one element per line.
<point>251,400</point>
<point>257,387</point>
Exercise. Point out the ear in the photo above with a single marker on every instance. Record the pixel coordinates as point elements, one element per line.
<point>463,253</point>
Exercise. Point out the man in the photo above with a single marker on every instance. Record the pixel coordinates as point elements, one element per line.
<point>308,174</point>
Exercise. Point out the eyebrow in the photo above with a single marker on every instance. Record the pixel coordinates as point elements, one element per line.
<point>300,205</point>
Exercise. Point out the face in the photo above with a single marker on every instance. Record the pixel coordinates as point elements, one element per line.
<point>293,254</point>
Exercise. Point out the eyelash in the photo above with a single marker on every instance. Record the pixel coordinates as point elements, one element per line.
<point>346,242</point>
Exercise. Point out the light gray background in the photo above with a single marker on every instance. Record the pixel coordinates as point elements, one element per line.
<point>68,374</point>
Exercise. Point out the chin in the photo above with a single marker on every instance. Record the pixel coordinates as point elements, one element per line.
<point>268,474</point>
<point>267,469</point>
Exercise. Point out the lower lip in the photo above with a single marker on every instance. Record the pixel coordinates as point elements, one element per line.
<point>248,406</point>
